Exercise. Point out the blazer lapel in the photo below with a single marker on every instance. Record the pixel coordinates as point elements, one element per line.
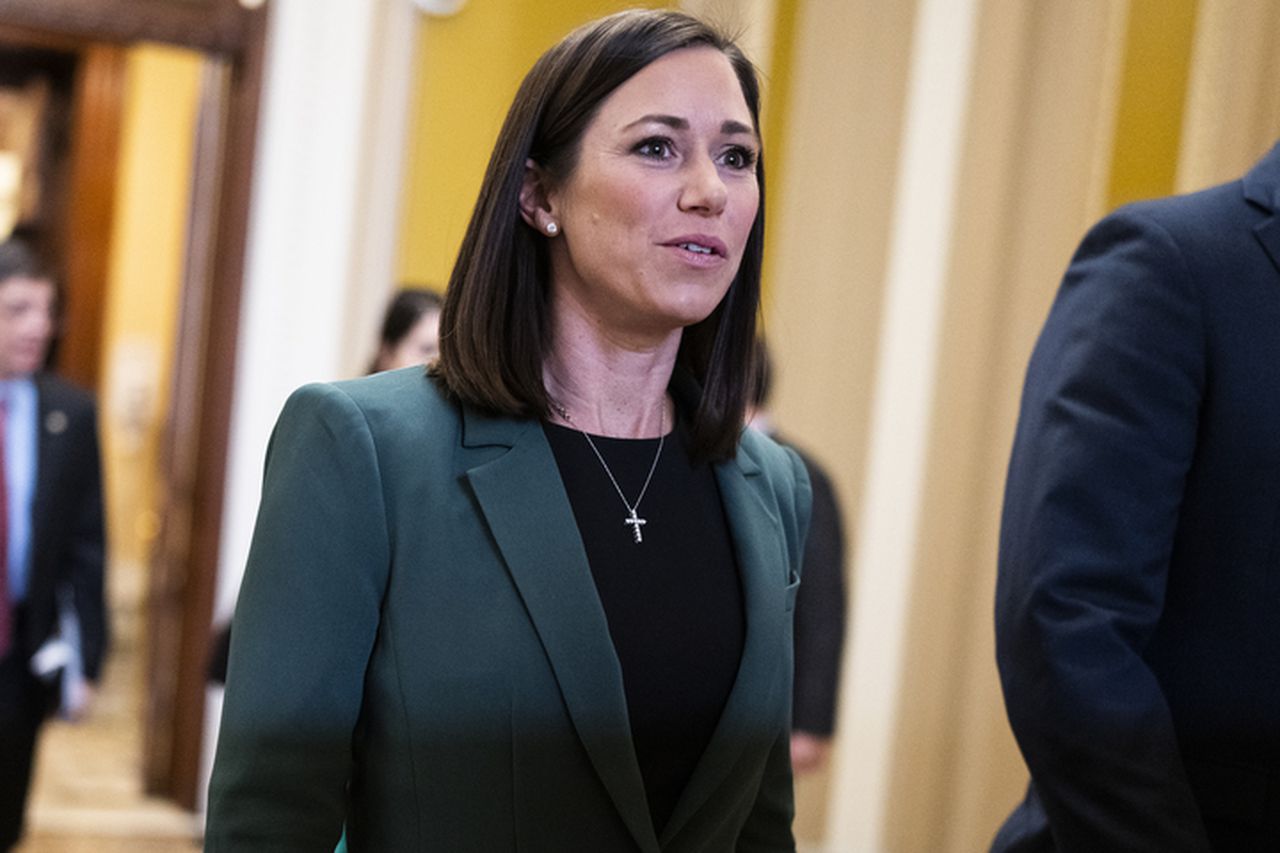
<point>523,500</point>
<point>757,536</point>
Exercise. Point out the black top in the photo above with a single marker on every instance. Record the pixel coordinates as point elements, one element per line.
<point>673,601</point>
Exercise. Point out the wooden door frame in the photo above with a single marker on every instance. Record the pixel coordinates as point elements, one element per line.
<point>211,26</point>
<point>237,35</point>
<point>84,156</point>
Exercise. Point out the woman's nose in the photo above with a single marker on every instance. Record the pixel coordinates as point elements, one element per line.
<point>704,190</point>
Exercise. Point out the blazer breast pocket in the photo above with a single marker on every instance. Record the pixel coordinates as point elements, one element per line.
<point>793,587</point>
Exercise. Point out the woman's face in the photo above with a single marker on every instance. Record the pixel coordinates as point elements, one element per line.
<point>656,213</point>
<point>419,345</point>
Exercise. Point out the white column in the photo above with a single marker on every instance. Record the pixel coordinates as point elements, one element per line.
<point>382,146</point>
<point>901,417</point>
<point>321,219</point>
<point>322,228</point>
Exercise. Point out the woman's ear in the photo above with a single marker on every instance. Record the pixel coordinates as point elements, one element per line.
<point>535,205</point>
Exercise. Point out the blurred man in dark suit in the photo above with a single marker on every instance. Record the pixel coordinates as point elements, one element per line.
<point>1138,601</point>
<point>51,528</point>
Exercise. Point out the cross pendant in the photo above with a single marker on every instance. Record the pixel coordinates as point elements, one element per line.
<point>635,521</point>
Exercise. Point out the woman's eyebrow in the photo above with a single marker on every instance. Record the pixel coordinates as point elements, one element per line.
<point>674,122</point>
<point>729,127</point>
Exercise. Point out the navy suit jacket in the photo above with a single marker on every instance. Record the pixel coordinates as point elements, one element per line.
<point>419,650</point>
<point>1138,601</point>
<point>67,541</point>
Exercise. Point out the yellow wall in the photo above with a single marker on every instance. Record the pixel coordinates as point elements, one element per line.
<point>1153,92</point>
<point>157,136</point>
<point>775,111</point>
<point>469,67</point>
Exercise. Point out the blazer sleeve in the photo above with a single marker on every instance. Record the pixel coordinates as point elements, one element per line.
<point>768,825</point>
<point>1105,439</point>
<point>303,632</point>
<point>820,612</point>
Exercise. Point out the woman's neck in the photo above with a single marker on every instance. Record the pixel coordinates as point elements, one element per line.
<point>607,386</point>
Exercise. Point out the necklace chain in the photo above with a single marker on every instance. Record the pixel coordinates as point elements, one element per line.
<point>633,518</point>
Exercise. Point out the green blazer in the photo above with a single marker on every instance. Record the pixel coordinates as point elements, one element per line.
<point>419,650</point>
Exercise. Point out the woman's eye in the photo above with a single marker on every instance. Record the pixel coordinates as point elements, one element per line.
<point>656,148</point>
<point>739,158</point>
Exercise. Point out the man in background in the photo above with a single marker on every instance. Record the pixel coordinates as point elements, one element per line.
<point>1138,599</point>
<point>51,527</point>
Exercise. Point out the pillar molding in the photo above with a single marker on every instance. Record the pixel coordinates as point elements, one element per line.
<point>901,417</point>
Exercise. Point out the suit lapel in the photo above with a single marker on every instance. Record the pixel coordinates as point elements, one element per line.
<point>1262,187</point>
<point>757,537</point>
<point>50,450</point>
<point>1268,234</point>
<point>51,423</point>
<point>523,500</point>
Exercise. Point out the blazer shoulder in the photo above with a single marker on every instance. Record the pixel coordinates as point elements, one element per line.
<point>403,412</point>
<point>774,458</point>
<point>1196,248</point>
<point>395,399</point>
<point>1210,214</point>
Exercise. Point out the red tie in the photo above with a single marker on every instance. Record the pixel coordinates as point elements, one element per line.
<point>6,609</point>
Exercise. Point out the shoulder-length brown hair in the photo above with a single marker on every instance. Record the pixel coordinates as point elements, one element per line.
<point>495,328</point>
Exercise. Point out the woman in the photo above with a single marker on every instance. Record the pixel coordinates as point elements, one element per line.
<point>539,599</point>
<point>410,332</point>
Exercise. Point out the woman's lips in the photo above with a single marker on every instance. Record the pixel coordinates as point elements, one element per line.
<point>699,249</point>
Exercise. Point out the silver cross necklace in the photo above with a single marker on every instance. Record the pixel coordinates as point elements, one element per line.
<point>633,509</point>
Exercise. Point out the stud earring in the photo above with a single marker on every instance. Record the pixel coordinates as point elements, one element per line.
<point>553,229</point>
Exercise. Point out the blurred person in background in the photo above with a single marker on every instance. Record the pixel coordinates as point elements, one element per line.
<point>52,614</point>
<point>410,332</point>
<point>820,604</point>
<point>539,598</point>
<point>1139,579</point>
